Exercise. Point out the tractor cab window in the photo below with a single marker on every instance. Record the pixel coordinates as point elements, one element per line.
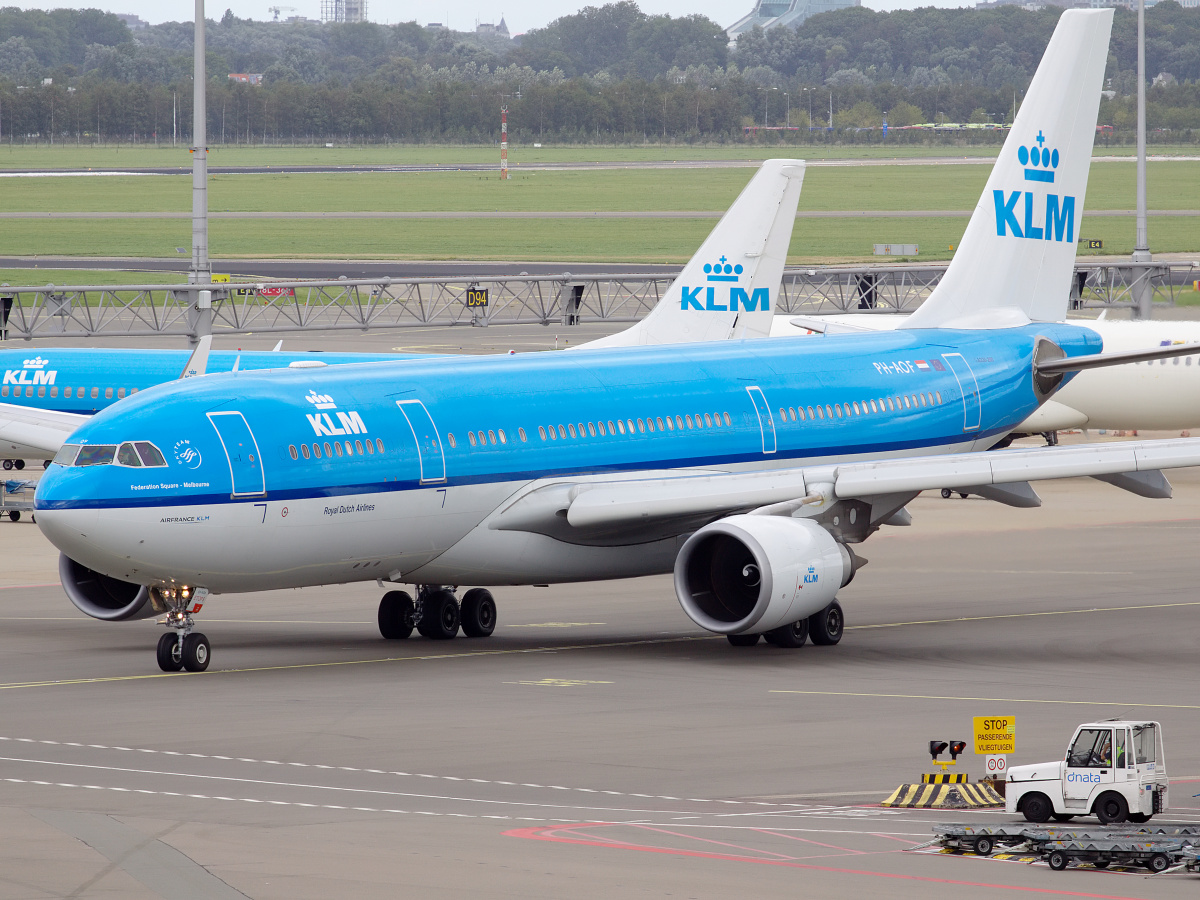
<point>1143,742</point>
<point>1092,749</point>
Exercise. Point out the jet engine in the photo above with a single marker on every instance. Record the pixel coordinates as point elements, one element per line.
<point>102,597</point>
<point>748,574</point>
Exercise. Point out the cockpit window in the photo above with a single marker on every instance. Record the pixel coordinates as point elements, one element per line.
<point>66,454</point>
<point>127,456</point>
<point>98,455</point>
<point>150,454</point>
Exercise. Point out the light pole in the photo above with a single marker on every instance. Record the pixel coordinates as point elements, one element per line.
<point>1143,293</point>
<point>787,122</point>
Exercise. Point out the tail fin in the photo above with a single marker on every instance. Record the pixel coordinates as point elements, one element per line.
<point>731,286</point>
<point>197,363</point>
<point>1016,258</point>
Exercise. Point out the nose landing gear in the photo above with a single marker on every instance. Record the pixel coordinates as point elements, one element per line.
<point>436,613</point>
<point>182,648</point>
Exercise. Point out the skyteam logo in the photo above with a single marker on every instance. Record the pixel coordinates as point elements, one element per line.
<point>32,372</point>
<point>1057,213</point>
<point>718,299</point>
<point>186,454</point>
<point>322,422</point>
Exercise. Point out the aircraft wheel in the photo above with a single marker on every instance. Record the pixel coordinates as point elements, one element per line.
<point>1057,860</point>
<point>743,640</point>
<point>14,515</point>
<point>826,627</point>
<point>169,658</point>
<point>790,636</point>
<point>478,613</point>
<point>46,463</point>
<point>947,493</point>
<point>1111,809</point>
<point>196,652</point>
<point>395,615</point>
<point>19,463</point>
<point>441,618</point>
<point>8,464</point>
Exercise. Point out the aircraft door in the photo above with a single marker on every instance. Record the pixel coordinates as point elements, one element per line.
<point>241,451</point>
<point>968,387</point>
<point>1089,765</point>
<point>766,424</point>
<point>429,442</point>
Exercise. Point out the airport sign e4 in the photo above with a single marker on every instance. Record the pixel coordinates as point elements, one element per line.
<point>994,734</point>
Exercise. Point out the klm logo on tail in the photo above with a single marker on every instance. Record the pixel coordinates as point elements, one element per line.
<point>716,299</point>
<point>1019,211</point>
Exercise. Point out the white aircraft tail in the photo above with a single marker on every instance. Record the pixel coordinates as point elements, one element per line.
<point>197,363</point>
<point>731,286</point>
<point>1016,258</point>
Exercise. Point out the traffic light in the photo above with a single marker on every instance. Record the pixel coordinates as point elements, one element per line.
<point>937,748</point>
<point>957,747</point>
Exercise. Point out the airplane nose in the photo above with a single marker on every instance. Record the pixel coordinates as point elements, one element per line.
<point>64,522</point>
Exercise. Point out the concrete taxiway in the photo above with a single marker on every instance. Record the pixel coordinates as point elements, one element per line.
<point>599,744</point>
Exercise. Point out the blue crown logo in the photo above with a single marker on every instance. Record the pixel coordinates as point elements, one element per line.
<point>1042,160</point>
<point>722,271</point>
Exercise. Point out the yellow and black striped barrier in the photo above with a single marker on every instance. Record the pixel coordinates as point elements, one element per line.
<point>958,795</point>
<point>944,778</point>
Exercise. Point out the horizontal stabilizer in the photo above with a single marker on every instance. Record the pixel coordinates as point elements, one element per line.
<point>1100,360</point>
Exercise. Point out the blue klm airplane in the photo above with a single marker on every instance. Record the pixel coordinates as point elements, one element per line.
<point>47,393</point>
<point>749,468</point>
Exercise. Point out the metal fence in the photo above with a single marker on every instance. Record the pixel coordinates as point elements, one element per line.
<point>564,299</point>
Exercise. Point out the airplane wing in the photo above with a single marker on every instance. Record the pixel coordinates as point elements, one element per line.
<point>39,432</point>
<point>654,504</point>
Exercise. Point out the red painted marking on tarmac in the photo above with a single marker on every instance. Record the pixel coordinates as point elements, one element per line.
<point>704,840</point>
<point>792,837</point>
<point>564,834</point>
<point>892,837</point>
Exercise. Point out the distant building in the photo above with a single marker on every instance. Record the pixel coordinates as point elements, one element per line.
<point>134,22</point>
<point>436,26</point>
<point>348,11</point>
<point>484,28</point>
<point>246,77</point>
<point>775,13</point>
<point>1074,4</point>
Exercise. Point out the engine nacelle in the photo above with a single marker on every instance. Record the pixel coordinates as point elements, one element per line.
<point>749,574</point>
<point>102,597</point>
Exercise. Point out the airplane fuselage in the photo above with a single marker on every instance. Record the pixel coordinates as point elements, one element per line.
<point>398,471</point>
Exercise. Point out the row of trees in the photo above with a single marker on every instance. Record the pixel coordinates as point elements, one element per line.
<point>632,110</point>
<point>919,48</point>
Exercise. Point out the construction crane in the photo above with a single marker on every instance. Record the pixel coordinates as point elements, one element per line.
<point>278,9</point>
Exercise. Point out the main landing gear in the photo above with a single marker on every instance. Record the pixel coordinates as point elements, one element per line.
<point>823,628</point>
<point>10,464</point>
<point>181,648</point>
<point>436,613</point>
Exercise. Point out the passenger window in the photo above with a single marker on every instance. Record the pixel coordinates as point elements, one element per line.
<point>53,392</point>
<point>783,414</point>
<point>708,420</point>
<point>542,432</point>
<point>349,449</point>
<point>553,434</point>
<point>133,390</point>
<point>612,429</point>
<point>716,419</point>
<point>328,450</point>
<point>800,410</point>
<point>492,437</point>
<point>821,412</point>
<point>600,427</point>
<point>370,448</point>
<point>120,393</point>
<point>304,450</point>
<point>337,448</point>
<point>127,456</point>
<point>503,437</point>
<point>857,411</point>
<point>95,393</point>
<point>42,391</point>
<point>562,432</point>
<point>924,399</point>
<point>471,437</point>
<point>293,452</point>
<point>379,444</point>
<point>4,391</point>
<point>728,421</point>
<point>482,439</point>
<point>810,412</point>
<point>449,437</point>
<point>66,392</point>
<point>907,405</point>
<point>671,424</point>
<point>939,398</point>
<point>108,393</point>
<point>29,391</point>
<point>650,425</point>
<point>629,422</point>
<point>791,414</point>
<point>620,426</point>
<point>688,419</point>
<point>837,408</point>
<point>317,451</point>
<point>660,424</point>
<point>97,455</point>
<point>873,409</point>
<point>641,427</point>
<point>521,432</point>
<point>571,429</point>
<point>592,429</point>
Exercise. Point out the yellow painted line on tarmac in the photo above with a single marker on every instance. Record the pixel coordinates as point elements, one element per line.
<point>1124,704</point>
<point>352,662</point>
<point>1026,615</point>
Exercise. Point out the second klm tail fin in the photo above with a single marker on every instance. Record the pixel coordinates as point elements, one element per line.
<point>1016,258</point>
<point>731,286</point>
